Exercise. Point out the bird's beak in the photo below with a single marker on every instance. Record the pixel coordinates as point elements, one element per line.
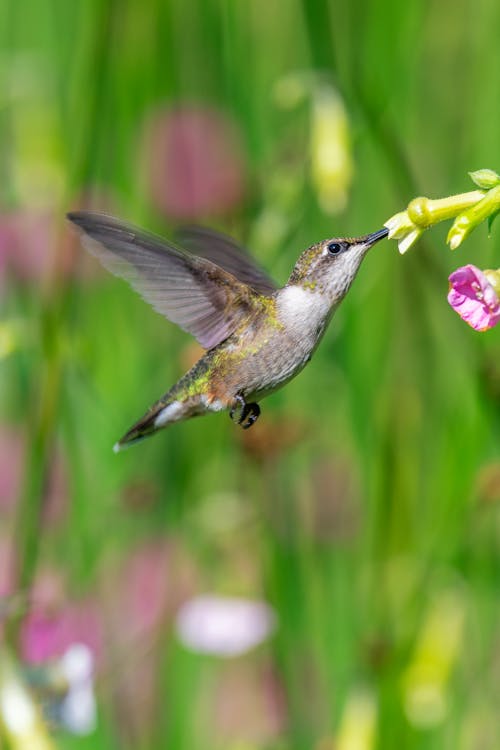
<point>371,239</point>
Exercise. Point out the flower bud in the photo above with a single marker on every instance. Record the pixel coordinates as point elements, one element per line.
<point>485,178</point>
<point>331,157</point>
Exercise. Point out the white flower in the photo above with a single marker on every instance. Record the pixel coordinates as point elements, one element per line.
<point>77,710</point>
<point>224,626</point>
<point>402,228</point>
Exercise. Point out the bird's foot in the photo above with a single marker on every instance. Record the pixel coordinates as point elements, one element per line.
<point>244,414</point>
<point>237,408</point>
<point>249,415</point>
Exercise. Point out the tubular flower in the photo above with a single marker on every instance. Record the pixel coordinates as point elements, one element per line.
<point>475,296</point>
<point>422,213</point>
<point>468,210</point>
<point>402,229</point>
<point>470,218</point>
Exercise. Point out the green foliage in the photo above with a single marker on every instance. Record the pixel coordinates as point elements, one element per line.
<point>364,505</point>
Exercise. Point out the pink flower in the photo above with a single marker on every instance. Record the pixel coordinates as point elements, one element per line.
<point>144,592</point>
<point>54,621</point>
<point>47,635</point>
<point>8,566</point>
<point>12,470</point>
<point>141,593</point>
<point>11,467</point>
<point>474,298</point>
<point>34,244</point>
<point>195,162</point>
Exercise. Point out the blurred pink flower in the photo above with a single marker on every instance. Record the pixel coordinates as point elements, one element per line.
<point>26,242</point>
<point>11,466</point>
<point>35,242</point>
<point>7,242</point>
<point>141,593</point>
<point>8,564</point>
<point>195,162</point>
<point>47,635</point>
<point>54,621</point>
<point>474,298</point>
<point>146,588</point>
<point>247,704</point>
<point>144,591</point>
<point>12,469</point>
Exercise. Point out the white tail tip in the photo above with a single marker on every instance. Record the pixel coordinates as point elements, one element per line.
<point>117,448</point>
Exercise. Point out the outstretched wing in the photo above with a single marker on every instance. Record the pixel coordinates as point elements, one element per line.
<point>198,295</point>
<point>228,254</point>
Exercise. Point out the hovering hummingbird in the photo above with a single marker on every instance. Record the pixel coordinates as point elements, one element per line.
<point>257,336</point>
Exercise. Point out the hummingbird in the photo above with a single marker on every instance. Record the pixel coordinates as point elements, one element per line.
<point>257,336</point>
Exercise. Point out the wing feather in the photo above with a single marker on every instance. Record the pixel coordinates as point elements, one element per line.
<point>228,254</point>
<point>202,298</point>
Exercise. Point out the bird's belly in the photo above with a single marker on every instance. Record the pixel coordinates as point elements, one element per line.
<point>273,366</point>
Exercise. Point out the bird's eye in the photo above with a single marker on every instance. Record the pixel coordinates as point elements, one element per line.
<point>334,248</point>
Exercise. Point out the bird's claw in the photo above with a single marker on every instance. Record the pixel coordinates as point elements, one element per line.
<point>249,413</point>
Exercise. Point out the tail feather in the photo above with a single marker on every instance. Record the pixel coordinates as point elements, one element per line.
<point>159,416</point>
<point>127,442</point>
<point>141,430</point>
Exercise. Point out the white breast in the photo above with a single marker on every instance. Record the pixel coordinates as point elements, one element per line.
<point>304,311</point>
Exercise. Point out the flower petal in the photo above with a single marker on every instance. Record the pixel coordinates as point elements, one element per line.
<point>473,297</point>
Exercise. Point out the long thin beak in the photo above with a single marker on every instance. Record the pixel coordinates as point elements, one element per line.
<point>371,239</point>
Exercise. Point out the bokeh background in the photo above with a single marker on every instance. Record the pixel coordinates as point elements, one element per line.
<point>328,580</point>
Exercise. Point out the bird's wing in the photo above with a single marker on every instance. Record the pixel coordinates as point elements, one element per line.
<point>228,254</point>
<point>193,292</point>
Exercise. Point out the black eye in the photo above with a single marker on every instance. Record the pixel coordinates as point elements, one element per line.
<point>334,248</point>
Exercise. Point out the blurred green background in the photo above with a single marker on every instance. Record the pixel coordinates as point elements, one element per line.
<point>364,505</point>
